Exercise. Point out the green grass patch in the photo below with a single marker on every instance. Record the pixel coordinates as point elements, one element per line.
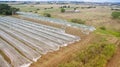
<point>116,15</point>
<point>79,21</point>
<point>96,55</point>
<point>47,15</point>
<point>108,32</point>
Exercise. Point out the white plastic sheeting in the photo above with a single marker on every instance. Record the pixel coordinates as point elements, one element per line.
<point>3,62</point>
<point>48,43</point>
<point>84,28</point>
<point>47,33</point>
<point>27,40</point>
<point>25,50</point>
<point>23,42</point>
<point>16,58</point>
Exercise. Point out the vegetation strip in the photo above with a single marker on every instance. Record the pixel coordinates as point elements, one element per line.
<point>96,55</point>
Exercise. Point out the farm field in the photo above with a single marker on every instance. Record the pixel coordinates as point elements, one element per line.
<point>29,39</point>
<point>97,17</point>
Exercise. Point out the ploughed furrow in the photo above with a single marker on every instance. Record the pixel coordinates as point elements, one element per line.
<point>27,40</point>
<point>39,26</point>
<point>49,44</point>
<point>25,50</point>
<point>3,62</point>
<point>17,60</point>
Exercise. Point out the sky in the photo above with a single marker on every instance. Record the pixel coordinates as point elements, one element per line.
<point>69,0</point>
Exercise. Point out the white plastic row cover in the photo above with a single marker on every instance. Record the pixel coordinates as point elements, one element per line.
<point>17,60</point>
<point>23,42</point>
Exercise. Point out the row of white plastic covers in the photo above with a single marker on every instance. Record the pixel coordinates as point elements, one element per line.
<point>23,42</point>
<point>85,29</point>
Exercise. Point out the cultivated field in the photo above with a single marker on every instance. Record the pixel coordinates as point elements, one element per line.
<point>39,37</point>
<point>23,42</point>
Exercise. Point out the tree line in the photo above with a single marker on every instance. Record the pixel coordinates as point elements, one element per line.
<point>5,9</point>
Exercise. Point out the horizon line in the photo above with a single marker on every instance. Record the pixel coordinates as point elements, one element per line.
<point>55,1</point>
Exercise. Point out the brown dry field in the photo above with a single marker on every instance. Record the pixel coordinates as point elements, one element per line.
<point>99,16</point>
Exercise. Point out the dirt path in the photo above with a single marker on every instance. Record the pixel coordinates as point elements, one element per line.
<point>115,60</point>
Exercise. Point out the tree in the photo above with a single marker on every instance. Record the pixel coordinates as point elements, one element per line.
<point>5,9</point>
<point>14,10</point>
<point>62,10</point>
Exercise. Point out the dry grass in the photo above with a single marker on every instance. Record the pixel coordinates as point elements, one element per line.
<point>99,16</point>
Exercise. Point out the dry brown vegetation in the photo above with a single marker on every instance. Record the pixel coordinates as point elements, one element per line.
<point>99,16</point>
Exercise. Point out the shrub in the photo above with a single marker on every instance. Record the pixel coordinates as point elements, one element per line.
<point>75,8</point>
<point>62,10</point>
<point>79,21</point>
<point>51,7</point>
<point>36,12</point>
<point>116,15</point>
<point>102,28</point>
<point>68,6</point>
<point>30,11</point>
<point>64,6</point>
<point>45,8</point>
<point>38,9</point>
<point>47,15</point>
<point>109,51</point>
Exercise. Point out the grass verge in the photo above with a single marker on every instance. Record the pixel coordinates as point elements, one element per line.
<point>108,32</point>
<point>96,55</point>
